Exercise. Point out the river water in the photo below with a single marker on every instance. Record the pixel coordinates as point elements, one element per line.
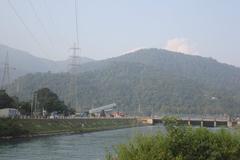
<point>88,146</point>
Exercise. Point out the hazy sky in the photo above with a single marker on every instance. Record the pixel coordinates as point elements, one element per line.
<point>108,28</point>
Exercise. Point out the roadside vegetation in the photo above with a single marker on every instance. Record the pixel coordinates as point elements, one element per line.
<point>181,143</point>
<point>46,99</point>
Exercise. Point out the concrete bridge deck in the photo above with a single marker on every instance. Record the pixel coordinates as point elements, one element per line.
<point>202,122</point>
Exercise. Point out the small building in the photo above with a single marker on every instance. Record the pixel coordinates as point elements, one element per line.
<point>117,114</point>
<point>9,113</point>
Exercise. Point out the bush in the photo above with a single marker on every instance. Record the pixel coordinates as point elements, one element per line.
<point>181,143</point>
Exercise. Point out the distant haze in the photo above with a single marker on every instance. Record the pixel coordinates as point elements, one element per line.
<point>25,63</point>
<point>111,28</point>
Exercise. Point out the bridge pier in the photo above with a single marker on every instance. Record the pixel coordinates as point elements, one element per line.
<point>146,120</point>
<point>201,123</point>
<point>189,122</point>
<point>229,123</point>
<point>215,123</point>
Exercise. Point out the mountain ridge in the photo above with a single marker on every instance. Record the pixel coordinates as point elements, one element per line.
<point>24,62</point>
<point>156,79</point>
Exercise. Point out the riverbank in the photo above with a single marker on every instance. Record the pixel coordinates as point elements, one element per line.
<point>20,128</point>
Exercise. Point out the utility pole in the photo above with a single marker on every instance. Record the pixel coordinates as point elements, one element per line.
<point>152,112</point>
<point>6,73</point>
<point>34,105</point>
<point>139,108</point>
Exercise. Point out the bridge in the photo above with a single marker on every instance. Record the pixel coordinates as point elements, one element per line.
<point>193,121</point>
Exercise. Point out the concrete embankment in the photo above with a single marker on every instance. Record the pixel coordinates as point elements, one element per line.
<point>12,128</point>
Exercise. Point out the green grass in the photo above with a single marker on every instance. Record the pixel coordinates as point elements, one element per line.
<point>8,128</point>
<point>20,127</point>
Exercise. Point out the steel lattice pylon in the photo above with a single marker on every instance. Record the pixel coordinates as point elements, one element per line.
<point>74,71</point>
<point>6,73</point>
<point>6,79</point>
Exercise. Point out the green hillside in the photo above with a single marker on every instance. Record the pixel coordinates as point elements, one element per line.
<point>159,81</point>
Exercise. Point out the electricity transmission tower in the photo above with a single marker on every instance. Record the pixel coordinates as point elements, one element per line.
<point>74,70</point>
<point>74,60</point>
<point>6,73</point>
<point>74,67</point>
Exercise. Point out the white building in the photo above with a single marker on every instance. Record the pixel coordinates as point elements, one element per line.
<point>9,113</point>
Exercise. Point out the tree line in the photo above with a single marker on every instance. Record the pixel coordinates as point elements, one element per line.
<point>46,100</point>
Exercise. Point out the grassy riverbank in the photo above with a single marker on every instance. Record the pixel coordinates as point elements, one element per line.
<point>11,128</point>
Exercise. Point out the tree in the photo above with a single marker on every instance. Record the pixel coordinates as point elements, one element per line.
<point>49,101</point>
<point>5,100</point>
<point>24,108</point>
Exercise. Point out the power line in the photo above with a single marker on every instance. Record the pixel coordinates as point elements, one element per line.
<point>41,23</point>
<point>50,16</point>
<point>25,25</point>
<point>49,12</point>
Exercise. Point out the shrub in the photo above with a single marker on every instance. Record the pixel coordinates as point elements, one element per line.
<point>181,143</point>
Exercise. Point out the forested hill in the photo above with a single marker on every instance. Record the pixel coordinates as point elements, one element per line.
<point>154,79</point>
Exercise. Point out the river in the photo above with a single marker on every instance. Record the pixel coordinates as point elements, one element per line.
<point>87,146</point>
